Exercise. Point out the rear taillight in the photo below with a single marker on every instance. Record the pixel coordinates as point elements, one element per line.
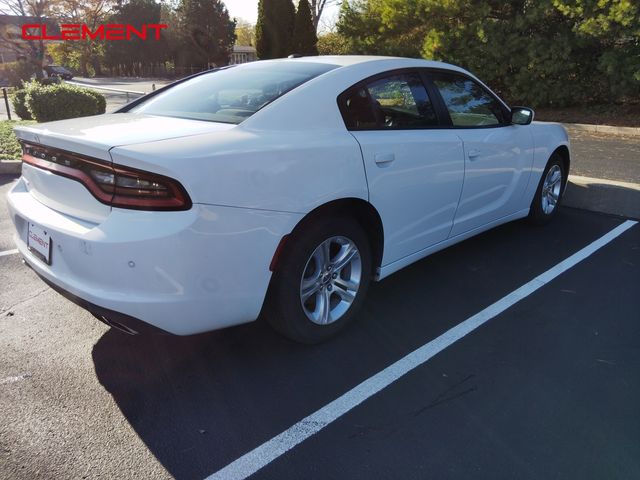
<point>115,185</point>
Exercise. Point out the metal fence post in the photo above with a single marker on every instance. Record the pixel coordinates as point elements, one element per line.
<point>6,102</point>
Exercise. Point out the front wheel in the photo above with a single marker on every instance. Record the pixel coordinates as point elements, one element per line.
<point>321,280</point>
<point>549,193</point>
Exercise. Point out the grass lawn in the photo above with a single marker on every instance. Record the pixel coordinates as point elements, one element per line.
<point>9,146</point>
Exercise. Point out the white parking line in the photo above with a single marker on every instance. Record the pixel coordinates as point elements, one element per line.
<point>9,252</point>
<point>269,451</point>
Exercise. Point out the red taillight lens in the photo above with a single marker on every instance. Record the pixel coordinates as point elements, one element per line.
<point>115,185</point>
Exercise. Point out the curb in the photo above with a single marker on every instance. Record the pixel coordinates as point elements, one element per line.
<point>583,127</point>
<point>604,196</point>
<point>10,167</point>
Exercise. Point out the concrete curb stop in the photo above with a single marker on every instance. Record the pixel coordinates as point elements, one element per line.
<point>604,196</point>
<point>10,167</point>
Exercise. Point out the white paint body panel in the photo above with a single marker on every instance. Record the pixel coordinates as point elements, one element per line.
<point>194,271</point>
<point>498,164</point>
<point>416,193</point>
<point>251,184</point>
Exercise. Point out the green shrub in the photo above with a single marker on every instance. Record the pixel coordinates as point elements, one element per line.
<point>18,99</point>
<point>58,102</point>
<point>9,147</point>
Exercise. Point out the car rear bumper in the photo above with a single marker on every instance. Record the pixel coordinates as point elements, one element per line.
<point>117,320</point>
<point>180,272</point>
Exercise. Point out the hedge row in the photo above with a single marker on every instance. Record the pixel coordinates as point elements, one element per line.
<point>45,103</point>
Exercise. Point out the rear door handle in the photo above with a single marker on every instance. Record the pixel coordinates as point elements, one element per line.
<point>383,159</point>
<point>473,153</point>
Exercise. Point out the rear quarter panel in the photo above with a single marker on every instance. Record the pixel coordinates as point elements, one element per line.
<point>271,170</point>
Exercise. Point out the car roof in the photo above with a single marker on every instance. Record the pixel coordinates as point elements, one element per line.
<point>349,60</point>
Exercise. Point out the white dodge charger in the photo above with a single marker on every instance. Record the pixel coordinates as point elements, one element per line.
<point>282,187</point>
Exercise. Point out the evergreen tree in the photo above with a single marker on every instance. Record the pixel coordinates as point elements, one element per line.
<point>540,53</point>
<point>274,28</point>
<point>207,33</point>
<point>304,40</point>
<point>130,57</point>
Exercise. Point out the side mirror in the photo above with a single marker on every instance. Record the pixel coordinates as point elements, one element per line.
<point>521,115</point>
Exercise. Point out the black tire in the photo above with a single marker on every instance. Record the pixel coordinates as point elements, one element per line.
<point>284,309</point>
<point>537,214</point>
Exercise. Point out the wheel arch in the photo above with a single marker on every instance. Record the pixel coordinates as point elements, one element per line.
<point>563,152</point>
<point>361,210</point>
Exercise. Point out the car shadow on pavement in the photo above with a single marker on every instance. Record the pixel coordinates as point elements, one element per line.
<point>4,179</point>
<point>200,402</point>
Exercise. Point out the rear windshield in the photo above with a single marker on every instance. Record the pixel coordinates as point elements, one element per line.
<point>233,94</point>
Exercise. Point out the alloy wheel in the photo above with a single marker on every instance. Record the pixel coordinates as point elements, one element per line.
<point>330,280</point>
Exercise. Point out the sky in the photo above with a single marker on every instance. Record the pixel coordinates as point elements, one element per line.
<point>248,10</point>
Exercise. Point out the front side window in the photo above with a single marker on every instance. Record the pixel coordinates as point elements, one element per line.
<point>469,105</point>
<point>397,101</point>
<point>233,94</point>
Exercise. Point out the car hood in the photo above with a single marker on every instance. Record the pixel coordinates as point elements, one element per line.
<point>95,136</point>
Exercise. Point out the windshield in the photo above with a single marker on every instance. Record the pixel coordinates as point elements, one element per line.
<point>233,94</point>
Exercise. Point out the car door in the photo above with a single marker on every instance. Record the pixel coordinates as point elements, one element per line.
<point>498,155</point>
<point>414,169</point>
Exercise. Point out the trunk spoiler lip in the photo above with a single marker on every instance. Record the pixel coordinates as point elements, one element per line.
<point>96,150</point>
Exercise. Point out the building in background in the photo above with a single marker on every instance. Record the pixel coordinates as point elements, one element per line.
<point>242,54</point>
<point>12,46</point>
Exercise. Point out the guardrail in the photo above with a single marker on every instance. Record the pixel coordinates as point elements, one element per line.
<point>109,89</point>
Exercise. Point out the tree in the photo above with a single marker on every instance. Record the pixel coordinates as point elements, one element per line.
<point>304,39</point>
<point>317,7</point>
<point>81,54</point>
<point>276,19</point>
<point>615,26</point>
<point>332,43</point>
<point>208,34</point>
<point>547,52</point>
<point>38,10</point>
<point>130,57</point>
<point>245,33</point>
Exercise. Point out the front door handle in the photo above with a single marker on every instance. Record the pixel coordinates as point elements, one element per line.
<point>473,153</point>
<point>384,159</point>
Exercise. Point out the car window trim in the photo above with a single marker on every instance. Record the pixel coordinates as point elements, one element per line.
<point>379,128</point>
<point>428,77</point>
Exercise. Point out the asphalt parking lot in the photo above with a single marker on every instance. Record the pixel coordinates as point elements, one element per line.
<point>549,388</point>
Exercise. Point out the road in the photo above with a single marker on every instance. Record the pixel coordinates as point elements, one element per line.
<point>611,157</point>
<point>116,100</point>
<point>548,388</point>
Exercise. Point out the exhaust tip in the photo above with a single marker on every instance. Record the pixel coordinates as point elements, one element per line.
<point>117,325</point>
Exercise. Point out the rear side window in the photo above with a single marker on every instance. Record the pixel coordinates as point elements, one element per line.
<point>469,104</point>
<point>357,109</point>
<point>396,101</point>
<point>233,94</point>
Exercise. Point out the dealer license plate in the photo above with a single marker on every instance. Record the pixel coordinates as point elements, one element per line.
<point>39,243</point>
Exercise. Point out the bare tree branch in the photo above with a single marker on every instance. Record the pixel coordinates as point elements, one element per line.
<point>317,7</point>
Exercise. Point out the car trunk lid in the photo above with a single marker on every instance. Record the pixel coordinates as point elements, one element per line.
<point>92,138</point>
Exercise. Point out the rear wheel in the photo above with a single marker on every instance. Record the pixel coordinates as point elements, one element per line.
<point>549,193</point>
<point>321,280</point>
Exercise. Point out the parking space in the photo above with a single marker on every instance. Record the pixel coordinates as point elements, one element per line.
<point>547,389</point>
